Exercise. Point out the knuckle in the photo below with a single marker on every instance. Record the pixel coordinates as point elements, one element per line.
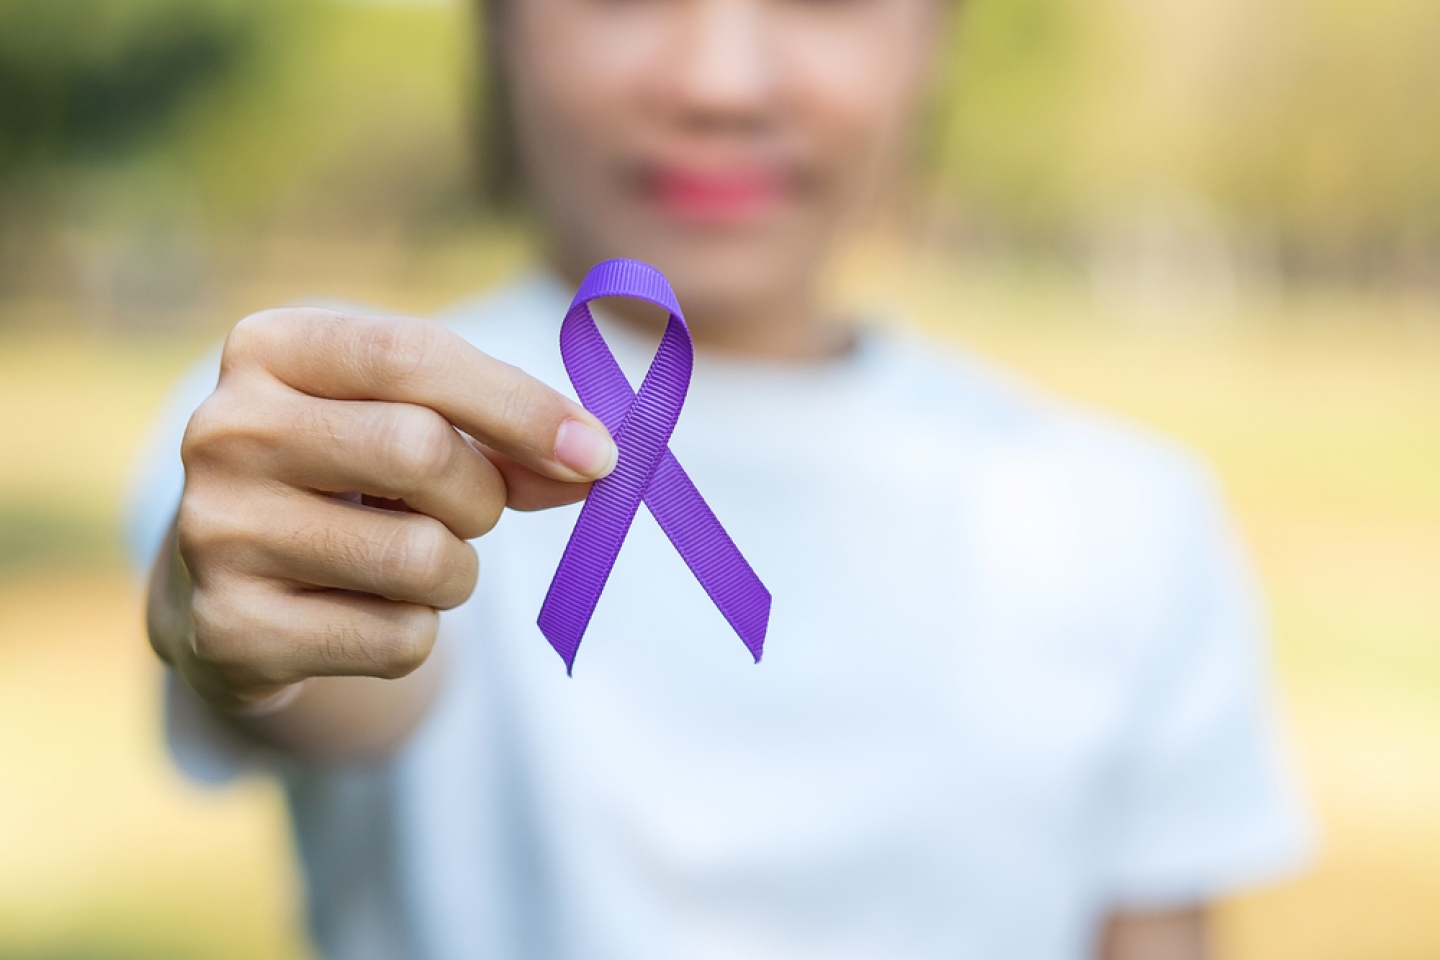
<point>217,639</point>
<point>193,529</point>
<point>329,543</point>
<point>300,428</point>
<point>213,529</point>
<point>237,643</point>
<point>410,641</point>
<point>390,650</point>
<point>230,426</point>
<point>396,351</point>
<point>417,555</point>
<point>418,444</point>
<point>460,582</point>
<point>198,528</point>
<point>288,342</point>
<point>486,492</point>
<point>252,337</point>
<point>206,430</point>
<point>516,405</point>
<point>486,514</point>
<point>207,626</point>
<point>342,648</point>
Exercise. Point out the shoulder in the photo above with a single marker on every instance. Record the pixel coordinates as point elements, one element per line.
<point>1059,463</point>
<point>1005,413</point>
<point>1080,516</point>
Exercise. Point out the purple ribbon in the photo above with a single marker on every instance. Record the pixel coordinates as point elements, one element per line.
<point>646,470</point>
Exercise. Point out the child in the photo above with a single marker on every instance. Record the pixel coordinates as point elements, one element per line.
<point>1013,699</point>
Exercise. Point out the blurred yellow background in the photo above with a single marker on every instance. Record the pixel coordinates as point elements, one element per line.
<point>1221,220</point>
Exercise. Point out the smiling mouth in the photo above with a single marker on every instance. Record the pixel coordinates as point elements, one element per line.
<point>703,197</point>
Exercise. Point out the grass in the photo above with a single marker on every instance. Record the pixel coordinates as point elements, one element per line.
<point>1322,417</point>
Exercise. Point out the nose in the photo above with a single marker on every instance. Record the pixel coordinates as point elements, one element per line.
<point>725,74</point>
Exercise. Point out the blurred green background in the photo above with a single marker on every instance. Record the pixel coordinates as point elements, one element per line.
<point>1221,219</point>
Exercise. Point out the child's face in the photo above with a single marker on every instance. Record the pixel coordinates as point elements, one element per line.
<point>724,141</point>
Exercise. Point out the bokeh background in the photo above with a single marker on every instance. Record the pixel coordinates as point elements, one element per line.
<point>1221,219</point>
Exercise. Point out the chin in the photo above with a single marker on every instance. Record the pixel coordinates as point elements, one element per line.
<point>724,278</point>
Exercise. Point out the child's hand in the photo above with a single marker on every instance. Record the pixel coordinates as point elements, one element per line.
<point>284,577</point>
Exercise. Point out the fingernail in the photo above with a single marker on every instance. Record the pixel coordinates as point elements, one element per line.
<point>585,450</point>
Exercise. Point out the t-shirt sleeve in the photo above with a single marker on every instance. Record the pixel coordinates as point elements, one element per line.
<point>158,477</point>
<point>203,747</point>
<point>1205,801</point>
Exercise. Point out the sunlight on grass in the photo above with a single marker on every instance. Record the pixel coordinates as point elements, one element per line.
<point>107,852</point>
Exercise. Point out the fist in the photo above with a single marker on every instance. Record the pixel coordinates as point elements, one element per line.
<point>332,481</point>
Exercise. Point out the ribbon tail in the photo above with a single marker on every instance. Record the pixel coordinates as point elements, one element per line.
<point>585,566</point>
<point>709,552</point>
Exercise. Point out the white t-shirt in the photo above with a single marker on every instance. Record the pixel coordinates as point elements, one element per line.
<point>1014,679</point>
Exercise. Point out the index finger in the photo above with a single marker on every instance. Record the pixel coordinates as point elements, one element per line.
<point>348,357</point>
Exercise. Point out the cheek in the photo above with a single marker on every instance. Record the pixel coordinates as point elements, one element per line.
<point>857,87</point>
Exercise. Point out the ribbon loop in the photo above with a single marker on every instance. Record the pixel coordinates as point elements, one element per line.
<point>646,471</point>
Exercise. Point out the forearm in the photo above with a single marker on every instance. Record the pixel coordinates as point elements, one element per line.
<point>326,719</point>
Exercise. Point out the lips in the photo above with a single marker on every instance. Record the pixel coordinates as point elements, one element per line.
<point>716,197</point>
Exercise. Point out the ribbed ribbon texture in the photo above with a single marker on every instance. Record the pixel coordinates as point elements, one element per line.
<point>646,471</point>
